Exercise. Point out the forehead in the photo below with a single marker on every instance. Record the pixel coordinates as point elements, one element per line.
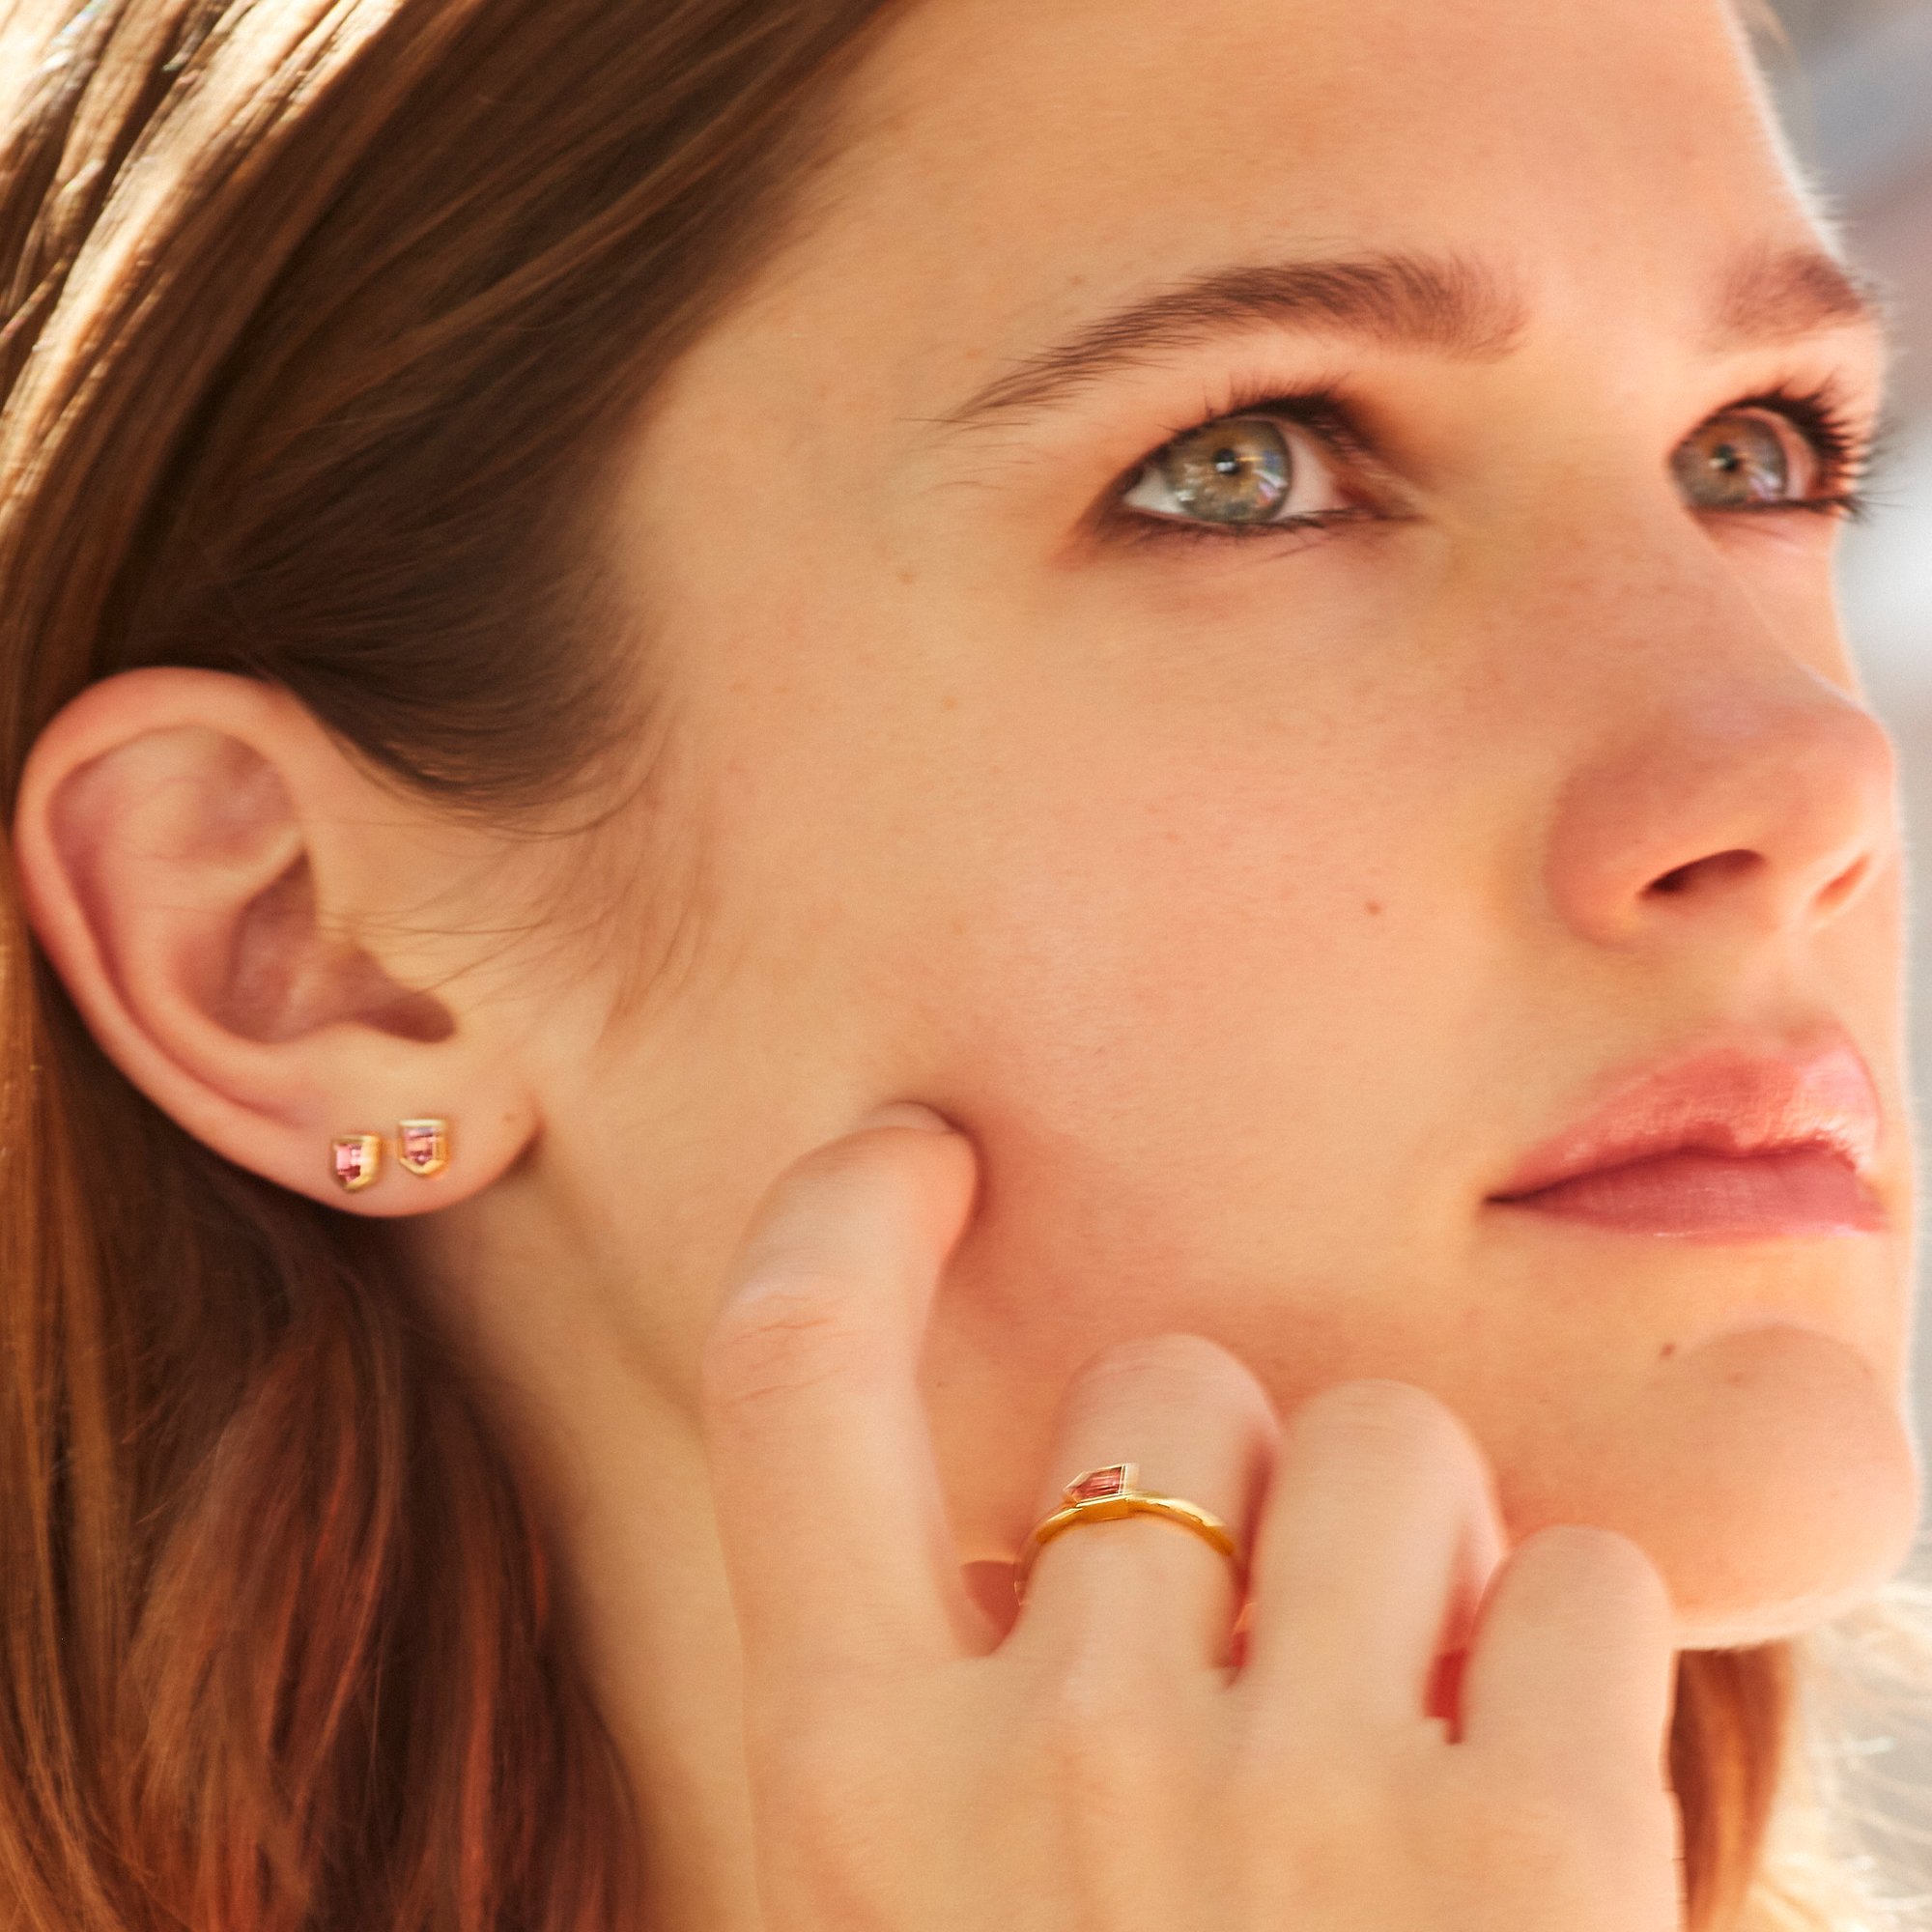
<point>1015,164</point>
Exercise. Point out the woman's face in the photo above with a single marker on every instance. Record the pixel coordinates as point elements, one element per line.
<point>1264,902</point>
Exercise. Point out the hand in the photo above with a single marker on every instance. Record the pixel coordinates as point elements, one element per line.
<point>1109,1767</point>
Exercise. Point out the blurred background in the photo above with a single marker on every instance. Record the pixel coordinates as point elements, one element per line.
<point>1854,84</point>
<point>1854,81</point>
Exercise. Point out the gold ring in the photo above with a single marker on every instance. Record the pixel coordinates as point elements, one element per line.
<point>1100,1495</point>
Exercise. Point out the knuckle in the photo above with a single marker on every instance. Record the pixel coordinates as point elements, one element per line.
<point>1557,1832</point>
<point>1516,1828</point>
<point>1098,1724</point>
<point>787,1333</point>
<point>818,1774</point>
<point>830,1794</point>
<point>1629,1812</point>
<point>1269,1763</point>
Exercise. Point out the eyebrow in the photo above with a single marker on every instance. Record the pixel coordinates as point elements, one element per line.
<point>1452,305</point>
<point>1772,296</point>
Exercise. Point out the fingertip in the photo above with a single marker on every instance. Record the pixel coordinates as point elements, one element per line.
<point>905,1114</point>
<point>953,1204</point>
<point>1595,1562</point>
<point>1578,1623</point>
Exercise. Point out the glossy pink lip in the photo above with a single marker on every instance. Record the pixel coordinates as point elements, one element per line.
<point>1728,1145</point>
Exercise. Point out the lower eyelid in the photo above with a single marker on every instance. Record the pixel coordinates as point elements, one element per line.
<point>1146,526</point>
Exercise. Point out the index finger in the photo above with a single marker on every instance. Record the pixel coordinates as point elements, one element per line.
<point>827,1491</point>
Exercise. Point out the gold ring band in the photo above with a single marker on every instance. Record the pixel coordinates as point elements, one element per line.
<point>1101,1495</point>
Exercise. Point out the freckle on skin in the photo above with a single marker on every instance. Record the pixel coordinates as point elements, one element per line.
<point>1668,1349</point>
<point>1372,908</point>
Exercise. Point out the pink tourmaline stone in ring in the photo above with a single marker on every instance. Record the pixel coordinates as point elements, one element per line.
<point>1099,1482</point>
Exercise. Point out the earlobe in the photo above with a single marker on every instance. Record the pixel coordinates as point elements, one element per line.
<point>204,866</point>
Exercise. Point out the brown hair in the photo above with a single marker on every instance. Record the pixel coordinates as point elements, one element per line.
<point>317,321</point>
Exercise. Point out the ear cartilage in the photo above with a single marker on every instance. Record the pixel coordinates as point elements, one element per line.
<point>358,1158</point>
<point>422,1146</point>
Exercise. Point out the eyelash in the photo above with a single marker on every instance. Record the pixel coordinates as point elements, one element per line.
<point>1846,452</point>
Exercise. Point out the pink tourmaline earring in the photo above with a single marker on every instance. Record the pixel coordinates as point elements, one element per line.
<point>357,1159</point>
<point>422,1146</point>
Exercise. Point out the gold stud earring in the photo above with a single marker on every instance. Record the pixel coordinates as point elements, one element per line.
<point>358,1158</point>
<point>422,1146</point>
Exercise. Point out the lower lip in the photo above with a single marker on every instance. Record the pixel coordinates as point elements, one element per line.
<point>1717,1197</point>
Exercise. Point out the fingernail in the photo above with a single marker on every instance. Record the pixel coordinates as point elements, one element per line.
<point>905,1113</point>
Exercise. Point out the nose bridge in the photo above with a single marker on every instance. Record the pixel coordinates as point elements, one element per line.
<point>1717,774</point>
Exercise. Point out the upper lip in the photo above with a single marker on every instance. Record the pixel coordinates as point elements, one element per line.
<point>1727,1101</point>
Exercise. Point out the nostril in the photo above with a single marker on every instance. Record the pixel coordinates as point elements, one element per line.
<point>1714,868</point>
<point>1845,886</point>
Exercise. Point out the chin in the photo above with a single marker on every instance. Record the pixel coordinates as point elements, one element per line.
<point>1770,1475</point>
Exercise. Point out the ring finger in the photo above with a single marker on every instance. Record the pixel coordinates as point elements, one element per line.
<point>1198,1427</point>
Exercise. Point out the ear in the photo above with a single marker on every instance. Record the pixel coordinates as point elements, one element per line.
<point>266,937</point>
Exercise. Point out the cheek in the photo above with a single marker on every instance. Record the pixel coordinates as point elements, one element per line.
<point>1196,973</point>
<point>1190,1041</point>
<point>1192,1046</point>
<point>1227,1077</point>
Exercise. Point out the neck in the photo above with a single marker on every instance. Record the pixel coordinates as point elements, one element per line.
<point>614,1463</point>
<point>651,1621</point>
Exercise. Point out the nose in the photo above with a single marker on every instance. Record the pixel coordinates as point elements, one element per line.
<point>1762,797</point>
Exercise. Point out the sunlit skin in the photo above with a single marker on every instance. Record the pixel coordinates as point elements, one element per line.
<point>1255,904</point>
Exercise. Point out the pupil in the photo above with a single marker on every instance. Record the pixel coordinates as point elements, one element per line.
<point>1734,464</point>
<point>1238,471</point>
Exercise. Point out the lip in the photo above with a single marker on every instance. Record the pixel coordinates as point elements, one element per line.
<point>1729,1144</point>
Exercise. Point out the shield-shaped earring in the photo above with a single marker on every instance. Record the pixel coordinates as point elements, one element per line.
<point>356,1159</point>
<point>422,1146</point>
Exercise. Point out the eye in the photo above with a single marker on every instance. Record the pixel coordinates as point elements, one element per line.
<point>1782,449</point>
<point>1245,469</point>
<point>1746,458</point>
